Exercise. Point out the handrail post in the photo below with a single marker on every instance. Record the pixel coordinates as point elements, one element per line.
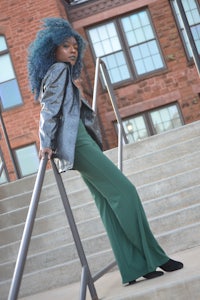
<point>100,65</point>
<point>112,98</point>
<point>96,80</point>
<point>86,275</point>
<point>23,250</point>
<point>120,147</point>
<point>86,279</point>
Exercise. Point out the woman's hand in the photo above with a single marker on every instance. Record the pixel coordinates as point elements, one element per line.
<point>43,151</point>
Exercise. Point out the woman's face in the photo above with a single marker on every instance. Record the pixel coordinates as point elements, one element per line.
<point>68,51</point>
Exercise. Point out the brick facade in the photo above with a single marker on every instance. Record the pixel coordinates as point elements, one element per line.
<point>19,22</point>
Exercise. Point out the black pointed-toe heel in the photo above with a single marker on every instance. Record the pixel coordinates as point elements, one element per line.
<point>153,274</point>
<point>171,265</point>
<point>132,282</point>
<point>150,275</point>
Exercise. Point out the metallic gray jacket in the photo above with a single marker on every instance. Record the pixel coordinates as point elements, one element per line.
<point>61,109</point>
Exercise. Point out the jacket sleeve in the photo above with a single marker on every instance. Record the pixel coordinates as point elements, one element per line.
<point>53,92</point>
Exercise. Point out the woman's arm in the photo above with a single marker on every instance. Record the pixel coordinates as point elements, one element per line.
<point>54,87</point>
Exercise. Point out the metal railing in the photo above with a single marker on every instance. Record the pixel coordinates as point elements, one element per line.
<point>87,280</point>
<point>100,66</point>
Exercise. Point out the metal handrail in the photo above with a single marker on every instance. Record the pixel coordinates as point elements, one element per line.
<point>86,279</point>
<point>100,66</point>
<point>28,228</point>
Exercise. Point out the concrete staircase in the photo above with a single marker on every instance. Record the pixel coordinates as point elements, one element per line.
<point>166,171</point>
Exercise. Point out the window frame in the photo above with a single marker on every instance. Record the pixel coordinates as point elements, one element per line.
<point>148,120</point>
<point>17,162</point>
<point>181,30</point>
<point>4,52</point>
<point>117,21</point>
<point>127,47</point>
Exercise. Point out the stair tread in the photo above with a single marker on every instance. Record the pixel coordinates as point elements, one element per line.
<point>166,172</point>
<point>179,285</point>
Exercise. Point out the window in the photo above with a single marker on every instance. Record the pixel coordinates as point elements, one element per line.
<point>165,118</point>
<point>128,46</point>
<point>27,160</point>
<point>9,90</point>
<point>192,11</point>
<point>3,171</point>
<point>74,2</point>
<point>152,122</point>
<point>135,128</point>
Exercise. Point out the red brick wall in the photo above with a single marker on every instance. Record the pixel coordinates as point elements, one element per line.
<point>19,22</point>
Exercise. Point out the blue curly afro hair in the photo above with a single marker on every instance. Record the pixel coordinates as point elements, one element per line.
<point>41,52</point>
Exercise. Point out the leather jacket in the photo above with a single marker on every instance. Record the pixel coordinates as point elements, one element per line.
<point>61,109</point>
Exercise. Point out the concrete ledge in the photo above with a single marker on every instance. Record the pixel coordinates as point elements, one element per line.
<point>179,285</point>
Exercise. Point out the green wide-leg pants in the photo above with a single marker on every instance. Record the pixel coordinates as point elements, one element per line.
<point>136,250</point>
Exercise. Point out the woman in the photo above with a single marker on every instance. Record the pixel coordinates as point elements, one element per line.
<point>54,63</point>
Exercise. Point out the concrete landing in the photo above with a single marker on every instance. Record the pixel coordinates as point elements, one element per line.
<point>180,285</point>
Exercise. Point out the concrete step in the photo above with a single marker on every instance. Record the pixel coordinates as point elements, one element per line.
<point>171,154</point>
<point>150,191</point>
<point>171,202</point>
<point>55,220</point>
<point>62,235</point>
<point>188,162</point>
<point>145,169</point>
<point>139,149</point>
<point>168,185</point>
<point>158,206</point>
<point>159,141</point>
<point>179,285</point>
<point>181,164</point>
<point>58,237</point>
<point>57,256</point>
<point>66,252</point>
<point>184,227</point>
<point>166,205</point>
<point>166,171</point>
<point>68,272</point>
<point>50,277</point>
